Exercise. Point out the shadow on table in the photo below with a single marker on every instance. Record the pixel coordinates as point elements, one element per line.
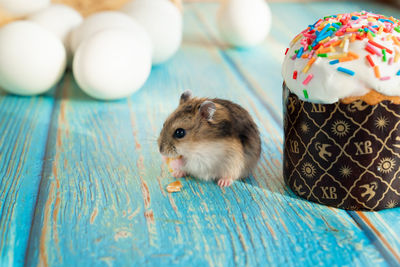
<point>268,175</point>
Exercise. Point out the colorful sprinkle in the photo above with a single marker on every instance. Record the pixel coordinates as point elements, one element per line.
<point>352,54</point>
<point>396,56</point>
<point>377,51</point>
<point>325,50</point>
<point>395,40</point>
<point>370,50</point>
<point>301,50</point>
<point>311,61</point>
<point>306,68</point>
<point>351,30</point>
<point>377,72</point>
<point>338,56</point>
<point>347,71</point>
<point>346,46</point>
<point>325,28</point>
<point>352,38</point>
<point>369,59</point>
<point>325,40</point>
<point>380,46</point>
<point>386,20</point>
<point>335,43</point>
<point>330,38</point>
<point>305,94</point>
<point>372,30</point>
<point>308,79</point>
<point>345,59</point>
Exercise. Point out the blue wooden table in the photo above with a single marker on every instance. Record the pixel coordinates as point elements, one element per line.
<point>82,182</point>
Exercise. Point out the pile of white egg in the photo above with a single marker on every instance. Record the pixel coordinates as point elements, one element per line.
<point>111,52</point>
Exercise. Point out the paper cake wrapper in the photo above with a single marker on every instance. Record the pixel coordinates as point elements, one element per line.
<point>343,155</point>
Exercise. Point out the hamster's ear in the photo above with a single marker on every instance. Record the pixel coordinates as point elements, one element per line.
<point>187,95</point>
<point>207,110</point>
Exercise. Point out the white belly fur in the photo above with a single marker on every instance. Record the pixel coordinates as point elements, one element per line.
<point>213,160</point>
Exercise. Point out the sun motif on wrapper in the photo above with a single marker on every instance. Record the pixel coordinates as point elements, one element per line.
<point>386,165</point>
<point>345,171</point>
<point>308,170</point>
<point>391,204</point>
<point>381,122</point>
<point>304,127</point>
<point>340,128</point>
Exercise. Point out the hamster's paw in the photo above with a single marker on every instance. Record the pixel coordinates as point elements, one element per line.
<point>178,173</point>
<point>225,182</point>
<point>176,164</point>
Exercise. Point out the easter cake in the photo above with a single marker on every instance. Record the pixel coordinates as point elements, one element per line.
<point>342,112</point>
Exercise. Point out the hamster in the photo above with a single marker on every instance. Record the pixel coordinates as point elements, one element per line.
<point>212,139</point>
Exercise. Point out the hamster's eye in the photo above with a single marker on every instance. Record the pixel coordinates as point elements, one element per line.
<point>179,133</point>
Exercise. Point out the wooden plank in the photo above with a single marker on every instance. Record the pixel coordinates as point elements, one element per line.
<point>102,199</point>
<point>89,195</point>
<point>24,124</point>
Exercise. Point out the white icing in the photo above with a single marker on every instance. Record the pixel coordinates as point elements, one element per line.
<point>328,85</point>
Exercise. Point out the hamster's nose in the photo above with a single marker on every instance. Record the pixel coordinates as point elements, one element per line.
<point>161,148</point>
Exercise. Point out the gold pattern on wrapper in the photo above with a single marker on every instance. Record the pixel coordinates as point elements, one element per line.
<point>343,155</point>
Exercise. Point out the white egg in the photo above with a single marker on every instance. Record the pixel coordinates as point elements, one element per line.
<point>23,7</point>
<point>107,20</point>
<point>32,59</point>
<point>163,21</point>
<point>112,64</point>
<point>244,22</point>
<point>59,19</point>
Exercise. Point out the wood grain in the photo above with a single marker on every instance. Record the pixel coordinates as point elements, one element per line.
<point>24,123</point>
